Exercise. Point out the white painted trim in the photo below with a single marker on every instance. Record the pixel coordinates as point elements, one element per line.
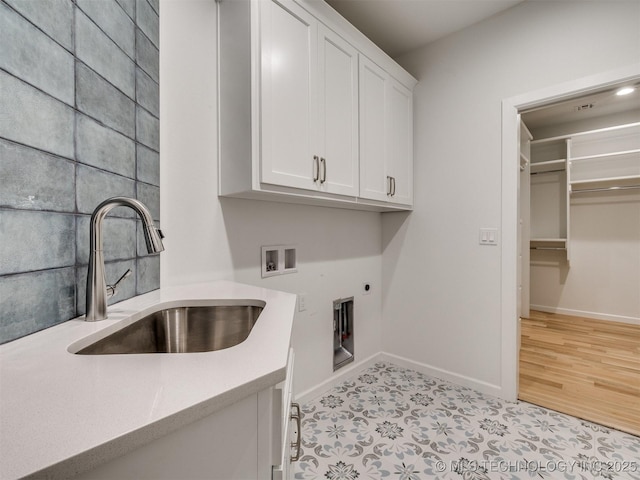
<point>582,313</point>
<point>436,372</point>
<point>357,368</point>
<point>343,374</point>
<point>509,252</point>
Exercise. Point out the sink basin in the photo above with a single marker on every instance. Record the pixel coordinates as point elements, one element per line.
<point>181,330</point>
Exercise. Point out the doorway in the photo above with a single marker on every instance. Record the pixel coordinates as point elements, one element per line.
<point>579,156</point>
<point>511,234</point>
<point>580,256</point>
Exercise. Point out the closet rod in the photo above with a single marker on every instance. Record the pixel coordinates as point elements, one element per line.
<point>605,189</point>
<point>547,248</point>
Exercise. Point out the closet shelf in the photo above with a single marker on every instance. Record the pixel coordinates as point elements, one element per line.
<point>548,166</point>
<point>605,180</point>
<point>586,133</point>
<point>605,184</point>
<point>548,240</point>
<point>605,155</point>
<point>600,160</point>
<point>548,244</point>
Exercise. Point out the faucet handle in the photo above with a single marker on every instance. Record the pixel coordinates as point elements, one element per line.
<point>112,290</point>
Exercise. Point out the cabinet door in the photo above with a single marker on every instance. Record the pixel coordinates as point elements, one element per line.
<point>373,104</point>
<point>399,129</point>
<point>275,436</point>
<point>288,94</point>
<point>337,113</point>
<point>221,446</point>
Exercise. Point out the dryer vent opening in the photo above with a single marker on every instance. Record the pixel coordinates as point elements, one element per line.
<point>342,332</point>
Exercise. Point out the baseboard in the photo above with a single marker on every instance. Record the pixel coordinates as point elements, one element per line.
<point>442,374</point>
<point>337,378</point>
<point>356,368</point>
<point>581,313</point>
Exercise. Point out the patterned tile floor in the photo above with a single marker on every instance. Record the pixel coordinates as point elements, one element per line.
<point>390,422</point>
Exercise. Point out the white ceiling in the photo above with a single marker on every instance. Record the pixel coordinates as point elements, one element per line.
<point>593,105</point>
<point>398,26</point>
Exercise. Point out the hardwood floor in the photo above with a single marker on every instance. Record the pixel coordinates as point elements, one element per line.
<point>583,367</point>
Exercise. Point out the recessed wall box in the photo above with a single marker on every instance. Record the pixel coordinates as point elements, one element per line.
<point>270,261</point>
<point>278,260</point>
<point>342,332</point>
<point>289,260</point>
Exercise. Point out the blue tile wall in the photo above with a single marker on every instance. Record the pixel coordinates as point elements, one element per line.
<point>36,180</point>
<point>104,148</point>
<point>104,56</point>
<point>35,57</point>
<point>32,117</point>
<point>115,21</point>
<point>79,97</point>
<point>99,99</point>
<point>53,17</point>
<point>129,6</point>
<point>147,55</point>
<point>147,92</point>
<point>148,165</point>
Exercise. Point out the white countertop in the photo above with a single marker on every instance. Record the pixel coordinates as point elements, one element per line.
<point>61,413</point>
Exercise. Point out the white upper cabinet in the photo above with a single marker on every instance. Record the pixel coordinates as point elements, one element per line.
<point>288,94</point>
<point>373,118</point>
<point>309,92</point>
<point>386,136</point>
<point>337,132</point>
<point>399,130</point>
<point>294,108</point>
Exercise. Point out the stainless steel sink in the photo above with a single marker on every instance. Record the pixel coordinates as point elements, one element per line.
<point>181,330</point>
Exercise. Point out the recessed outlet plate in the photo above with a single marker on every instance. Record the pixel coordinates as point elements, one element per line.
<point>270,261</point>
<point>278,260</point>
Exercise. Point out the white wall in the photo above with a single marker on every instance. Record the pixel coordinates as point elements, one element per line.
<point>442,291</point>
<point>603,280</point>
<point>211,238</point>
<point>441,294</point>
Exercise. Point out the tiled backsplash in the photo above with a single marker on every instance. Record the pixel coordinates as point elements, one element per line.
<point>79,103</point>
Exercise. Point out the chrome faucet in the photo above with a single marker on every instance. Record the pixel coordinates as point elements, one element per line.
<point>97,290</point>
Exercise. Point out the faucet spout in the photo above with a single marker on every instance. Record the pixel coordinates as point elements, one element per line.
<point>96,284</point>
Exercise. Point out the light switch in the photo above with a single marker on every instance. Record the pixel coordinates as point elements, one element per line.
<point>302,302</point>
<point>488,236</point>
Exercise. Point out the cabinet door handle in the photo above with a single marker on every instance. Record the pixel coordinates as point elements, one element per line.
<point>297,417</point>
<point>388,185</point>
<point>316,168</point>
<point>393,192</point>
<point>323,161</point>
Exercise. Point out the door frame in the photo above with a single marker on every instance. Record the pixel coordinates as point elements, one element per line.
<point>510,201</point>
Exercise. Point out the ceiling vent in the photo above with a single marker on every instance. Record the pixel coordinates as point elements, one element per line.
<point>586,106</point>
